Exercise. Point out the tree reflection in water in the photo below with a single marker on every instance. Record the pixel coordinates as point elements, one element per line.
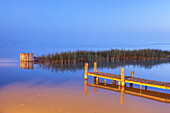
<point>109,65</point>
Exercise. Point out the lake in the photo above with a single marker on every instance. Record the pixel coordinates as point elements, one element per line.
<point>49,88</point>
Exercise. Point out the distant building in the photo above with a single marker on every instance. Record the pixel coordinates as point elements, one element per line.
<point>27,57</point>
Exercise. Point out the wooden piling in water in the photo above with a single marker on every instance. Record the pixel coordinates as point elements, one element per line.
<point>85,71</point>
<point>140,89</point>
<point>122,77</point>
<point>85,87</point>
<point>95,89</point>
<point>95,66</point>
<point>105,81</point>
<point>122,95</point>
<point>97,80</point>
<point>132,73</point>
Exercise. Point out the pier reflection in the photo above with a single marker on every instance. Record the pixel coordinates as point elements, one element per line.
<point>27,65</point>
<point>144,93</point>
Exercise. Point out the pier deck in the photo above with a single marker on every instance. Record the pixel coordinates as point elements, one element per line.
<point>125,79</point>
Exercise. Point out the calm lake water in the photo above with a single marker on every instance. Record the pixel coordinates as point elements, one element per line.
<point>34,88</point>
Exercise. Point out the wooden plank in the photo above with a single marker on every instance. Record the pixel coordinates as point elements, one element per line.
<point>129,79</point>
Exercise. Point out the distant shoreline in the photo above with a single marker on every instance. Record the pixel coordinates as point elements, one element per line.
<point>104,55</point>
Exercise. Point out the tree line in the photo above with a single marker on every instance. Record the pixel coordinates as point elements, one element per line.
<point>104,55</point>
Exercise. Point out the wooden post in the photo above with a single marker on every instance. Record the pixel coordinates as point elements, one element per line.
<point>85,71</point>
<point>131,85</point>
<point>95,89</point>
<point>119,83</point>
<point>115,82</point>
<point>94,80</point>
<point>85,87</point>
<point>140,89</point>
<point>122,95</point>
<point>97,80</point>
<point>95,66</point>
<point>122,77</point>
<point>132,73</point>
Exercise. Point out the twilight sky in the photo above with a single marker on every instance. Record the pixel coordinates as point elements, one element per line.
<point>46,26</point>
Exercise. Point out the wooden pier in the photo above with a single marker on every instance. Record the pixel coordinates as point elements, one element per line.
<point>122,80</point>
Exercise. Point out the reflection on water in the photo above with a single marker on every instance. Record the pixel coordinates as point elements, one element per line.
<point>112,65</point>
<point>25,98</point>
<point>27,65</point>
<point>41,91</point>
<point>144,93</point>
<point>4,64</point>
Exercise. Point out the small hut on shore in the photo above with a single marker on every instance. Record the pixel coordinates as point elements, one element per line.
<point>27,57</point>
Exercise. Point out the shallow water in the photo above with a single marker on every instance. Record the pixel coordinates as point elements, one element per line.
<point>34,88</point>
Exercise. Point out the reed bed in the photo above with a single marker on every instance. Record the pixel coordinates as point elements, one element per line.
<point>104,55</point>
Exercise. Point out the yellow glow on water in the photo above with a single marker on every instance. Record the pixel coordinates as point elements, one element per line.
<point>28,98</point>
<point>7,64</point>
<point>7,60</point>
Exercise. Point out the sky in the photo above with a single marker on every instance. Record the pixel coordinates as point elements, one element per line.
<point>41,26</point>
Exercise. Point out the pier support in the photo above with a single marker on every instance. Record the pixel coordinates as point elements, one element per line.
<point>115,82</point>
<point>132,73</point>
<point>95,66</point>
<point>95,89</point>
<point>85,87</point>
<point>122,95</point>
<point>85,71</point>
<point>140,89</point>
<point>122,77</point>
<point>104,81</point>
<point>97,80</point>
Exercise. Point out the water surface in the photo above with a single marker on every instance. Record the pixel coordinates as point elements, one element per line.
<point>47,88</point>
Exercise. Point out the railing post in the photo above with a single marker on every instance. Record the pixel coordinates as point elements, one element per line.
<point>85,71</point>
<point>132,73</point>
<point>95,66</point>
<point>122,77</point>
